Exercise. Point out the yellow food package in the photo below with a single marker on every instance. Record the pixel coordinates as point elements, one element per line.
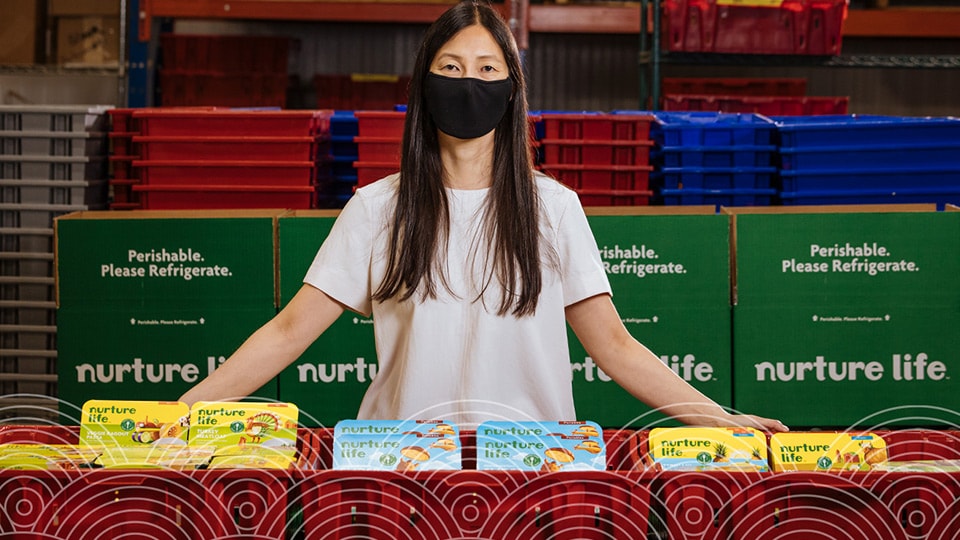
<point>133,423</point>
<point>254,457</point>
<point>155,457</point>
<point>826,451</point>
<point>222,424</point>
<point>704,449</point>
<point>46,456</point>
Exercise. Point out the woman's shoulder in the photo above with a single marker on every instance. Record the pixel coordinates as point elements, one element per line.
<point>380,192</point>
<point>552,192</point>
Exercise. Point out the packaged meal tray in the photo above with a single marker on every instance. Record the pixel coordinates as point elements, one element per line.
<point>47,456</point>
<point>826,451</point>
<point>708,449</point>
<point>541,446</point>
<point>397,445</point>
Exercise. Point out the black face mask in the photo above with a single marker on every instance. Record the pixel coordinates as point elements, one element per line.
<point>466,108</point>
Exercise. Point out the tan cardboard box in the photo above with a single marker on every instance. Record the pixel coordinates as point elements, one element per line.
<point>88,40</point>
<point>21,32</point>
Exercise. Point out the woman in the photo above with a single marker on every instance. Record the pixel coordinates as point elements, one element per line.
<point>471,263</point>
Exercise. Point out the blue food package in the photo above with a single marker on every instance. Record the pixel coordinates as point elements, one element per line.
<point>396,445</point>
<point>540,446</point>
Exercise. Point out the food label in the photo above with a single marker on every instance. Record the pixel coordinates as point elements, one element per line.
<point>799,451</point>
<point>705,449</point>
<point>396,445</point>
<point>220,424</point>
<point>540,446</point>
<point>133,423</point>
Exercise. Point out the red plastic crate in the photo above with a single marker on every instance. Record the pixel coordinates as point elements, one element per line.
<point>227,148</point>
<point>378,149</point>
<point>225,54</point>
<point>587,152</point>
<point>224,197</point>
<point>374,505</point>
<point>805,505</point>
<point>948,526</point>
<point>226,173</point>
<point>605,185</point>
<point>121,120</point>
<point>734,86</point>
<point>380,123</point>
<point>597,127</point>
<point>254,501</point>
<point>686,502</point>
<point>180,88</point>
<point>360,91</point>
<point>209,122</point>
<point>765,105</point>
<point>39,434</point>
<point>369,172</point>
<point>795,27</point>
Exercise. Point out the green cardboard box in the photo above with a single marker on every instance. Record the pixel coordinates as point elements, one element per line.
<point>329,379</point>
<point>147,353</point>
<point>868,336</point>
<point>669,269</point>
<point>177,258</point>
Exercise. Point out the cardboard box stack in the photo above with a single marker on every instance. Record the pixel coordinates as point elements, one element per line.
<point>87,32</point>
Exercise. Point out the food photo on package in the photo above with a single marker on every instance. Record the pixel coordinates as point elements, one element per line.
<point>540,446</point>
<point>111,423</point>
<point>396,445</point>
<point>224,424</point>
<point>706,449</point>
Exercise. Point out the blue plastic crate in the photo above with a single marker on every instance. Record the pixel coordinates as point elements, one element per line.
<point>888,178</point>
<point>342,146</point>
<point>856,130</point>
<point>718,197</point>
<point>343,124</point>
<point>939,196</point>
<point>718,156</point>
<point>714,129</point>
<point>876,155</point>
<point>718,178</point>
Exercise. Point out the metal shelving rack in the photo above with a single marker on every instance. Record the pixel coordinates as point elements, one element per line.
<point>652,57</point>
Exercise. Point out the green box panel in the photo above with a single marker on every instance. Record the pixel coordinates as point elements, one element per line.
<point>329,379</point>
<point>666,259</point>
<point>149,353</point>
<point>167,261</point>
<point>841,365</point>
<point>841,258</point>
<point>694,342</point>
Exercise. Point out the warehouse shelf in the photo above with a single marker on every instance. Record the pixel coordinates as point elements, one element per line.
<point>934,22</point>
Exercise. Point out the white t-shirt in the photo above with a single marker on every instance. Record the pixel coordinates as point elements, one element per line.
<point>451,357</point>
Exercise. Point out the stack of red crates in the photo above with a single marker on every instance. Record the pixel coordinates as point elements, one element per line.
<point>604,157</point>
<point>379,135</point>
<point>225,71</point>
<point>808,27</point>
<point>122,155</point>
<point>209,158</point>
<point>769,97</point>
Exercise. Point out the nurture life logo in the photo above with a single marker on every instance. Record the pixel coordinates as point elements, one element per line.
<point>142,372</point>
<point>178,263</point>
<point>862,258</point>
<point>686,366</point>
<point>900,367</point>
<point>640,261</point>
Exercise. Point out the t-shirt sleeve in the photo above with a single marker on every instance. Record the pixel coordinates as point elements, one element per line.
<point>341,268</point>
<point>581,268</point>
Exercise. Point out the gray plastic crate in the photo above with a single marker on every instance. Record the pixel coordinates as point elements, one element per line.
<point>32,289</point>
<point>28,312</point>
<point>52,168</point>
<point>34,216</point>
<point>77,118</point>
<point>52,143</point>
<point>22,239</point>
<point>54,192</point>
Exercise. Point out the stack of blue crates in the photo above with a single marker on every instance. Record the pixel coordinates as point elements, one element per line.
<point>338,177</point>
<point>720,159</point>
<point>857,159</point>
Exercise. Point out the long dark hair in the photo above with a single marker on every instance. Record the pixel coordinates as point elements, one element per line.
<point>421,220</point>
